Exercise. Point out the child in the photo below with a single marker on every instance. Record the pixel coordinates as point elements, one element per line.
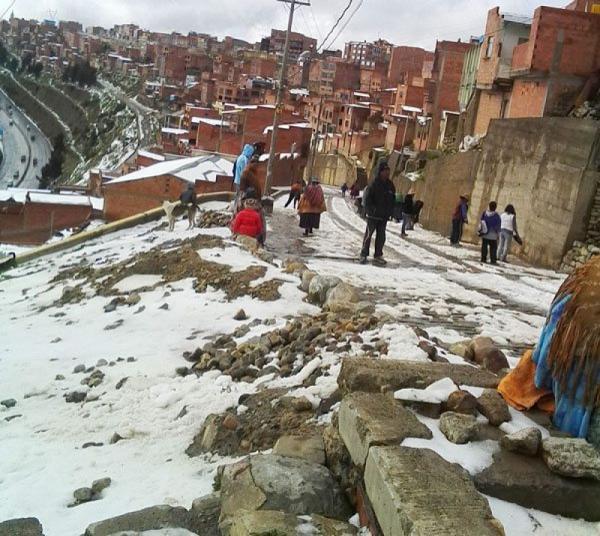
<point>248,221</point>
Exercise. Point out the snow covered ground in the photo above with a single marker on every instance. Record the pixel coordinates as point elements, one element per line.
<point>42,444</point>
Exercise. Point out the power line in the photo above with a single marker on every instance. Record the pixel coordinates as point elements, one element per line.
<point>337,22</point>
<point>347,22</point>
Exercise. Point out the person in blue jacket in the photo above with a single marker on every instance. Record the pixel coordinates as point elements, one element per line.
<point>240,165</point>
<point>489,230</point>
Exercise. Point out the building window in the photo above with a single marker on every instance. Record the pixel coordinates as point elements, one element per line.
<point>490,47</point>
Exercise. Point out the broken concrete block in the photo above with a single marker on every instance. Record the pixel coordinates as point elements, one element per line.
<point>310,449</point>
<point>367,419</point>
<point>416,492</point>
<point>458,428</point>
<point>571,457</point>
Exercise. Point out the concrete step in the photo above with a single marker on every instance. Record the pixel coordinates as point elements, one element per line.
<point>368,419</point>
<point>415,492</point>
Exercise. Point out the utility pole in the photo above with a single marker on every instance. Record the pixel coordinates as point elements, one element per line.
<point>280,89</point>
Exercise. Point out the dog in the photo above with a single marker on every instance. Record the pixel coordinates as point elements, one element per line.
<point>169,208</point>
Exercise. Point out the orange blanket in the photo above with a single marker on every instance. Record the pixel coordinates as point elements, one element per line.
<point>519,390</point>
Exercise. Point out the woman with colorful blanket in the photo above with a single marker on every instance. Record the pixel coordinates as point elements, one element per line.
<point>562,374</point>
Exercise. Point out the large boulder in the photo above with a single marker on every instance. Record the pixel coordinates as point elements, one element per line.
<point>461,402</point>
<point>320,286</point>
<point>307,277</point>
<point>527,481</point>
<point>153,518</point>
<point>204,515</point>
<point>289,485</point>
<point>484,352</point>
<point>29,526</point>
<point>341,298</point>
<point>571,457</point>
<point>458,428</point>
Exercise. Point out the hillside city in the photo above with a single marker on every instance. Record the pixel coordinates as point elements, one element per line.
<point>198,337</point>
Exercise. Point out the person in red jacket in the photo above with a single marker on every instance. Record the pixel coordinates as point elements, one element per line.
<point>248,221</point>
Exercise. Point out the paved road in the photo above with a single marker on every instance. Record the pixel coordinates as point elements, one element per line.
<point>18,143</point>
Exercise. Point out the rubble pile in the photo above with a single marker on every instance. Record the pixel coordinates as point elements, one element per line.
<point>578,256</point>
<point>213,218</point>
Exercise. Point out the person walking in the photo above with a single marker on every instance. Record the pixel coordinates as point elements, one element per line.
<point>508,231</point>
<point>239,167</point>
<point>344,189</point>
<point>190,202</point>
<point>398,206</point>
<point>408,210</point>
<point>489,230</point>
<point>379,201</point>
<point>295,193</point>
<point>459,219</point>
<point>311,206</point>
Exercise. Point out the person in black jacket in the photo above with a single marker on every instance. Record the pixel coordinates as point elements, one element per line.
<point>408,212</point>
<point>379,203</point>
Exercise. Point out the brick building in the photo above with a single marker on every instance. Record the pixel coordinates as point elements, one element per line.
<point>443,90</point>
<point>551,69</point>
<point>299,43</point>
<point>328,75</point>
<point>148,187</point>
<point>32,217</point>
<point>366,54</point>
<point>407,62</point>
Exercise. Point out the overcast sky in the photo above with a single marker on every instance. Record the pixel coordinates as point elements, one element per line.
<point>418,22</point>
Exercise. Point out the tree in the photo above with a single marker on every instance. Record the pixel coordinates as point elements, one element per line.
<point>53,169</point>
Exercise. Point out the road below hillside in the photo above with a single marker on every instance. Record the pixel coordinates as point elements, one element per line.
<point>18,143</point>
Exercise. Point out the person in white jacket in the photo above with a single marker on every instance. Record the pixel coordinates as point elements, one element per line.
<point>508,230</point>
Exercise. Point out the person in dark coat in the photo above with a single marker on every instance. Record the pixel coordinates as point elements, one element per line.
<point>407,212</point>
<point>311,206</point>
<point>489,230</point>
<point>459,218</point>
<point>379,201</point>
<point>189,201</point>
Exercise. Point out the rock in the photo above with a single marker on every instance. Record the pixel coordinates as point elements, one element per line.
<point>59,377</point>
<point>91,444</point>
<point>459,348</point>
<point>98,486</point>
<point>417,492</point>
<point>183,371</point>
<point>301,404</point>
<point>133,299</point>
<point>205,439</point>
<point>230,422</point>
<point>269,522</point>
<point>491,405</point>
<point>289,485</point>
<point>9,403</point>
<point>164,307</point>
<point>153,518</point>
<point>115,439</point>
<point>527,481</point>
<point>320,286</point>
<point>204,515</point>
<point>370,375</point>
<point>75,397</point>
<point>458,428</point>
<point>83,495</point>
<point>102,363</point>
<point>240,315</point>
<point>131,360</point>
<point>307,277</point>
<point>461,402</point>
<point>575,458</point>
<point>367,419</point>
<point>484,352</point>
<point>79,369</point>
<point>429,349</point>
<point>21,527</point>
<point>310,449</point>
<point>526,441</point>
<point>341,297</point>
<point>292,266</point>
<point>112,306</point>
<point>121,383</point>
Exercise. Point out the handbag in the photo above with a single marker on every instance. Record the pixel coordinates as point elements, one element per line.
<point>483,228</point>
<point>518,239</point>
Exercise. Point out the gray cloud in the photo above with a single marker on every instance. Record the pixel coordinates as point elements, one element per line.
<point>414,23</point>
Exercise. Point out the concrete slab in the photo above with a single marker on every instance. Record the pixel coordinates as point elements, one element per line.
<point>269,522</point>
<point>310,449</point>
<point>368,419</point>
<point>415,492</point>
<point>529,482</point>
<point>373,375</point>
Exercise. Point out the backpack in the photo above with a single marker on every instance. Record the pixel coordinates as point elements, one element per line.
<point>483,228</point>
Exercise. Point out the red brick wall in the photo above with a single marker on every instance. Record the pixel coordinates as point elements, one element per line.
<point>125,199</point>
<point>488,67</point>
<point>408,60</point>
<point>489,107</point>
<point>528,98</point>
<point>580,54</point>
<point>35,223</point>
